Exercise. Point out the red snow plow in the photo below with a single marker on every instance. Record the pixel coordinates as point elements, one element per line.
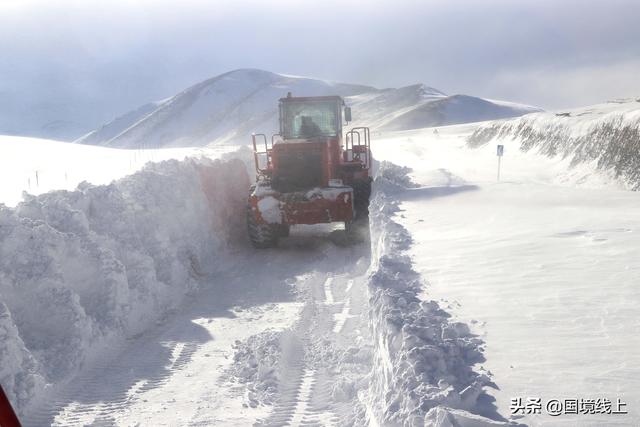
<point>308,173</point>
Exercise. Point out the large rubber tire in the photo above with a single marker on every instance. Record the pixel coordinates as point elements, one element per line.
<point>361,195</point>
<point>262,236</point>
<point>283,230</point>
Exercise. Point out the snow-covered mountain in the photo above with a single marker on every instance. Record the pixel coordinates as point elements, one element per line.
<point>605,135</point>
<point>225,108</point>
<point>455,109</point>
<point>229,107</point>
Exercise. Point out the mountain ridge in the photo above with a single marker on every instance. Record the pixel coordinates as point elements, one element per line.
<point>229,107</point>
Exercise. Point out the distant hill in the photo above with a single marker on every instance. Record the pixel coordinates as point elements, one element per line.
<point>229,107</point>
<point>453,110</point>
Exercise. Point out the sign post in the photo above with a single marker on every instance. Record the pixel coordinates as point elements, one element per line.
<point>500,153</point>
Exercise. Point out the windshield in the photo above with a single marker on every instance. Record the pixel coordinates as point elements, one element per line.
<point>306,119</point>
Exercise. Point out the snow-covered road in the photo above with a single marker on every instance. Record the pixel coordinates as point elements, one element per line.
<point>307,296</point>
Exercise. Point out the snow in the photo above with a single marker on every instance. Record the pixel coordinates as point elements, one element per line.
<point>82,269</point>
<point>18,369</point>
<point>542,266</point>
<point>331,193</point>
<point>120,124</point>
<point>606,136</point>
<point>269,208</point>
<point>256,363</point>
<point>422,359</point>
<point>446,417</point>
<point>39,165</point>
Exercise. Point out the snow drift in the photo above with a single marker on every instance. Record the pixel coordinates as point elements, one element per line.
<point>606,135</point>
<point>83,269</point>
<point>423,361</point>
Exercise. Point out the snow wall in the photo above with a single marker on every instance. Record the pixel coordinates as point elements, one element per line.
<point>423,371</point>
<point>611,141</point>
<point>81,270</point>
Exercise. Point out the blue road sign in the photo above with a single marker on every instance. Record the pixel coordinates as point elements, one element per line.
<point>500,150</point>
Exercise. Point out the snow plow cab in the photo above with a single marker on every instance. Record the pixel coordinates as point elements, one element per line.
<point>308,173</point>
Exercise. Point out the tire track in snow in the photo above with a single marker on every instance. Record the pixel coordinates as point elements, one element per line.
<point>341,317</point>
<point>84,403</point>
<point>306,388</point>
<point>304,394</point>
<point>328,293</point>
<point>313,408</point>
<point>305,401</point>
<point>291,382</point>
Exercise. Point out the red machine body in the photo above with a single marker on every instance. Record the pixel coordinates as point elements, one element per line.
<point>308,173</point>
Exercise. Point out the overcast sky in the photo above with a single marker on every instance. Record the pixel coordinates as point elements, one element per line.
<point>94,59</point>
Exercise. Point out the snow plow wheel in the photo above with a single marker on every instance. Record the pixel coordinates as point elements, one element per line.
<point>361,195</point>
<point>284,230</point>
<point>348,227</point>
<point>262,236</point>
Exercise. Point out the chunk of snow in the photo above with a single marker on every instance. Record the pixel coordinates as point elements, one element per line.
<point>269,208</point>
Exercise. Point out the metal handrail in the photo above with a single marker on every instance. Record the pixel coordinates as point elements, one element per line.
<point>256,153</point>
<point>364,135</point>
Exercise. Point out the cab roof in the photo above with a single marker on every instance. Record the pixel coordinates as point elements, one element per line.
<point>290,98</point>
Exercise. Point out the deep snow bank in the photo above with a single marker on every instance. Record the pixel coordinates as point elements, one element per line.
<point>423,361</point>
<point>38,166</point>
<point>80,269</point>
<point>607,135</point>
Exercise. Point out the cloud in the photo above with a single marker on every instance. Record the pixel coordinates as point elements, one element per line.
<point>570,87</point>
<point>90,60</point>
